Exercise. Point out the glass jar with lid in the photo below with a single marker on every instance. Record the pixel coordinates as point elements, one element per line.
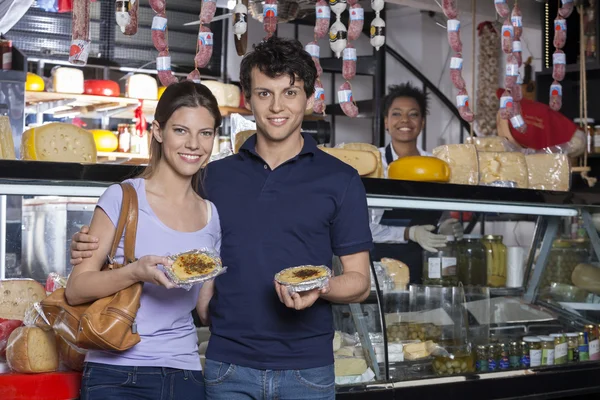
<point>564,256</point>
<point>535,351</point>
<point>472,261</point>
<point>495,260</point>
<point>439,268</point>
<point>514,354</point>
<point>561,348</point>
<point>572,347</point>
<point>481,359</point>
<point>547,350</point>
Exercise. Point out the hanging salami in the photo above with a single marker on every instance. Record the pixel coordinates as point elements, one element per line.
<point>80,33</point>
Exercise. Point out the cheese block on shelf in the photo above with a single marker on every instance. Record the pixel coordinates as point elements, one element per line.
<point>140,86</point>
<point>362,161</point>
<point>67,80</point>
<point>549,172</point>
<point>511,167</point>
<point>462,159</point>
<point>32,350</point>
<point>378,173</point>
<point>7,145</point>
<point>58,142</point>
<point>17,295</point>
<point>490,143</point>
<point>350,366</point>
<point>227,95</point>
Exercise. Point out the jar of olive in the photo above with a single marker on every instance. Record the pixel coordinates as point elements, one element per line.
<point>514,354</point>
<point>593,343</point>
<point>584,348</point>
<point>561,348</point>
<point>535,350</point>
<point>572,347</point>
<point>481,357</point>
<point>547,350</point>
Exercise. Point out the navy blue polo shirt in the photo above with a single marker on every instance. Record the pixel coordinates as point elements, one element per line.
<point>302,212</point>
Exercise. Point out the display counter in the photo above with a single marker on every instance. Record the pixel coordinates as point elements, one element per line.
<point>376,354</point>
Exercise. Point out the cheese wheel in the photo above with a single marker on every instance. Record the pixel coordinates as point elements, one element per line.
<point>419,168</point>
<point>7,145</point>
<point>58,142</point>
<point>105,140</point>
<point>34,83</point>
<point>140,86</point>
<point>368,147</point>
<point>32,350</point>
<point>463,162</point>
<point>17,296</point>
<point>362,161</point>
<point>240,139</point>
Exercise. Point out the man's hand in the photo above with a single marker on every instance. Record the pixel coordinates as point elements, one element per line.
<point>301,300</point>
<point>82,245</point>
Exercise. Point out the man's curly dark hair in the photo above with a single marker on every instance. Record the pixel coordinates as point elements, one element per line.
<point>406,90</point>
<point>278,56</point>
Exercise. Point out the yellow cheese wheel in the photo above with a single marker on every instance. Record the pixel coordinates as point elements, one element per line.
<point>105,140</point>
<point>161,90</point>
<point>419,168</point>
<point>34,83</point>
<point>58,142</point>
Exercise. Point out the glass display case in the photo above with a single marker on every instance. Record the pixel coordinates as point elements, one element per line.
<point>534,332</point>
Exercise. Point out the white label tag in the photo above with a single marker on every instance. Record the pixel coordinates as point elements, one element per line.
<point>320,93</point>
<point>323,12</point>
<point>270,10</point>
<point>434,268</point>
<point>560,25</point>
<point>506,102</point>
<point>453,25</point>
<point>517,121</point>
<point>206,38</point>
<point>517,21</point>
<point>344,96</point>
<point>508,31</point>
<point>594,348</point>
<point>555,90</point>
<point>561,350</point>
<point>357,14</point>
<point>550,357</point>
<point>163,63</point>
<point>535,358</point>
<point>313,50</point>
<point>159,23</point>
<point>512,69</point>
<point>517,47</point>
<point>349,54</point>
<point>456,63</point>
<point>462,101</point>
<point>559,58</point>
<point>448,266</point>
<point>499,1</point>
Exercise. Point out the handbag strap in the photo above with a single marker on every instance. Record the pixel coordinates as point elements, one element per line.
<point>128,219</point>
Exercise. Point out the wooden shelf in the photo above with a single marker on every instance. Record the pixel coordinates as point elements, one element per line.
<point>99,106</point>
<point>121,158</point>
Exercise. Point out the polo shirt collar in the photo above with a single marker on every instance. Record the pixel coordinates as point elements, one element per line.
<point>249,146</point>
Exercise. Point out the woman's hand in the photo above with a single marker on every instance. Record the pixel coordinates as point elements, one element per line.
<point>146,270</point>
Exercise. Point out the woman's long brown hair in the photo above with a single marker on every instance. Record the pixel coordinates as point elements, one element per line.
<point>182,94</point>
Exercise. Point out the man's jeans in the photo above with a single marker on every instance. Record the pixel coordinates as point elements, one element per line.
<point>228,382</point>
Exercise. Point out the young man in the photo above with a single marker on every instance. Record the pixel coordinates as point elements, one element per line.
<point>282,203</point>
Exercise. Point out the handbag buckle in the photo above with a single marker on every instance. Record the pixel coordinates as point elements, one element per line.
<point>134,327</point>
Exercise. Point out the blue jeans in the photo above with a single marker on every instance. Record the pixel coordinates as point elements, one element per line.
<point>232,382</point>
<point>115,382</point>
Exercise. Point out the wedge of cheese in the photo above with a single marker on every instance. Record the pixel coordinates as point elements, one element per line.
<point>7,145</point>
<point>490,143</point>
<point>58,142</point>
<point>17,295</point>
<point>463,162</point>
<point>549,172</point>
<point>368,147</point>
<point>494,166</point>
<point>350,366</point>
<point>364,162</point>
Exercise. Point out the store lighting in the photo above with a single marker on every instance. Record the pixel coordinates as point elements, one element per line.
<point>51,190</point>
<point>441,205</point>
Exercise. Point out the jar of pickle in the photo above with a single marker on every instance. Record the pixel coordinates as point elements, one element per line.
<point>572,347</point>
<point>535,351</point>
<point>564,256</point>
<point>561,348</point>
<point>584,348</point>
<point>439,268</point>
<point>481,357</point>
<point>514,355</point>
<point>471,259</point>
<point>593,342</point>
<point>495,260</point>
<point>547,350</point>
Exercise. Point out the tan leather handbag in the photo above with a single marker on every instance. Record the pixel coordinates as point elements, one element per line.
<point>107,323</point>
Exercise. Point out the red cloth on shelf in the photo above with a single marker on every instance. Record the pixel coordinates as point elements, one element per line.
<point>50,386</point>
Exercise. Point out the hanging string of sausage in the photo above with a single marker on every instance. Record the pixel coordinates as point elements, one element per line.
<point>323,15</point>
<point>559,59</point>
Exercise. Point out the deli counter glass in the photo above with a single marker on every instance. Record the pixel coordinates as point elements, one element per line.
<point>508,308</point>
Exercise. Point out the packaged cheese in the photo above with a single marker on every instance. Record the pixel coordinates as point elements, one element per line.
<point>490,143</point>
<point>58,142</point>
<point>549,172</point>
<point>140,86</point>
<point>32,350</point>
<point>7,145</point>
<point>17,296</point>
<point>363,161</point>
<point>67,80</point>
<point>503,167</point>
<point>367,147</point>
<point>463,162</point>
